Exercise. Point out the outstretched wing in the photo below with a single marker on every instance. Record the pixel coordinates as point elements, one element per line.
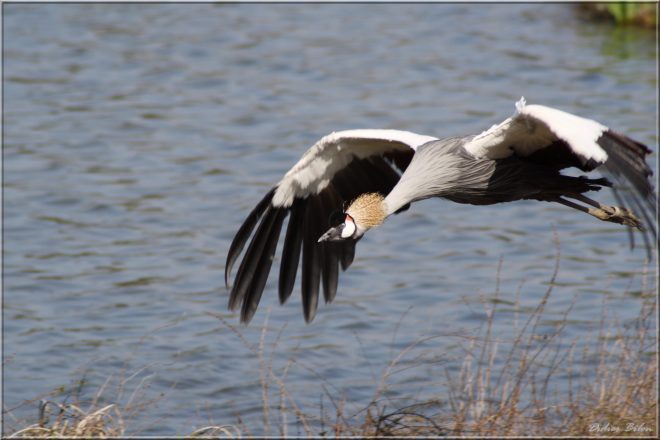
<point>338,168</point>
<point>556,138</point>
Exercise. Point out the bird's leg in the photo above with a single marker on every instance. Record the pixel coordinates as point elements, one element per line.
<point>617,212</point>
<point>603,212</point>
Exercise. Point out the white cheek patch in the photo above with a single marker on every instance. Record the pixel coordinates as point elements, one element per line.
<point>349,228</point>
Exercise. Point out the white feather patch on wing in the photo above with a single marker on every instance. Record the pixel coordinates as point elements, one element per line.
<point>335,151</point>
<point>534,127</point>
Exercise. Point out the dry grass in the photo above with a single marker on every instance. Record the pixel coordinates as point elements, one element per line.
<point>72,421</point>
<point>94,419</point>
<point>109,412</point>
<point>617,396</point>
<point>502,388</point>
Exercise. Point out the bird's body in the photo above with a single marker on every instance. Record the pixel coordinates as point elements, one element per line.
<point>446,169</point>
<point>380,172</point>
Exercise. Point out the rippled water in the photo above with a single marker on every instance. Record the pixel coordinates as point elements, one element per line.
<point>138,137</point>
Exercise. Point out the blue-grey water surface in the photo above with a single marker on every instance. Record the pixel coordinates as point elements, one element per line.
<point>139,136</point>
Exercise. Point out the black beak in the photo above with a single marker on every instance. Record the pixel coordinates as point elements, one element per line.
<point>332,234</point>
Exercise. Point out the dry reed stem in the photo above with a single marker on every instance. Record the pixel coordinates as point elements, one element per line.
<point>269,373</point>
<point>614,384</point>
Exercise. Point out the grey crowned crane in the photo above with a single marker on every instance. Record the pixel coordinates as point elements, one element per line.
<point>351,181</point>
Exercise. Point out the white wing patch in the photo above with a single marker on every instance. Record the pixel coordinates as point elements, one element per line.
<point>534,127</point>
<point>335,151</point>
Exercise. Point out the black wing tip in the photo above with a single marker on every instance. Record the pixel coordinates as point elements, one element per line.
<point>627,165</point>
<point>259,277</point>
<point>310,305</point>
<point>312,257</point>
<point>246,316</point>
<point>232,304</point>
<point>244,232</point>
<point>267,216</point>
<point>641,148</point>
<point>310,315</point>
<point>291,251</point>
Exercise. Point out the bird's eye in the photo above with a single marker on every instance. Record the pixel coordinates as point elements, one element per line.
<point>336,218</point>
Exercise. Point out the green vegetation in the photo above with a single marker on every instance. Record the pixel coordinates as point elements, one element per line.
<point>624,13</point>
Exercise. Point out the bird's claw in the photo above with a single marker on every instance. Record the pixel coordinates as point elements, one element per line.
<point>618,215</point>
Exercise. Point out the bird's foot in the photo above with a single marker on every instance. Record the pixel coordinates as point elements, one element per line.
<point>615,214</point>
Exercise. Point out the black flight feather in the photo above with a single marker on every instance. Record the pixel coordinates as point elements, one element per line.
<point>330,270</point>
<point>347,254</point>
<point>627,157</point>
<point>251,259</point>
<point>244,233</point>
<point>291,249</point>
<point>311,269</point>
<point>330,201</point>
<point>258,282</point>
<point>626,163</point>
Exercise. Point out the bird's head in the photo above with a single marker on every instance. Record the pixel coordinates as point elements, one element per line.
<point>366,212</point>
